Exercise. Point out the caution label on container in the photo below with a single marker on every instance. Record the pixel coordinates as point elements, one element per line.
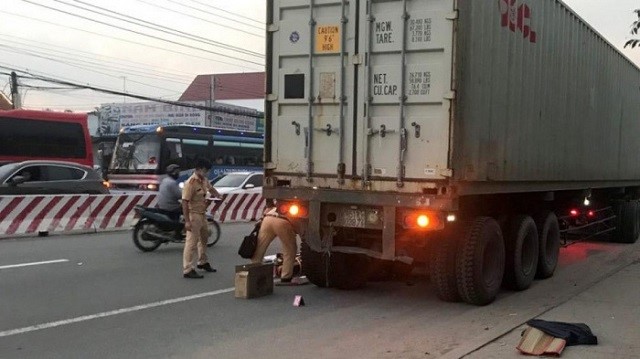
<point>328,39</point>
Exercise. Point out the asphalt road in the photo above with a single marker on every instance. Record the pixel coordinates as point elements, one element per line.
<point>108,300</point>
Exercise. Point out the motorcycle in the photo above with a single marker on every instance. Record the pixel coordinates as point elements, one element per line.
<point>155,228</point>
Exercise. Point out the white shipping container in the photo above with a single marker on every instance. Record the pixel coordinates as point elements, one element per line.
<point>407,95</point>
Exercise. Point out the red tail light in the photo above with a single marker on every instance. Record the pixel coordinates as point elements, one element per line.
<point>574,212</point>
<point>423,220</point>
<point>292,210</point>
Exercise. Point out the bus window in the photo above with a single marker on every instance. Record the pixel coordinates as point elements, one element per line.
<point>136,153</point>
<point>193,150</point>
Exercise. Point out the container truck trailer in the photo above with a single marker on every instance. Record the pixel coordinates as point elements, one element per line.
<point>463,135</point>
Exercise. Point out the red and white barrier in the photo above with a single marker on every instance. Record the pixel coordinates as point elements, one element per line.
<point>20,215</point>
<point>243,207</point>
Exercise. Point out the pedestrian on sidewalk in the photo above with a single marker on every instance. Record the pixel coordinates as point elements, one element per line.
<point>275,225</point>
<point>195,201</point>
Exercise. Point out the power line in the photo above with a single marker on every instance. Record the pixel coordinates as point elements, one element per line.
<point>161,28</point>
<point>143,34</point>
<point>89,55</point>
<point>214,14</point>
<point>201,19</point>
<point>124,40</point>
<point>214,107</point>
<point>82,67</point>
<point>88,65</point>
<point>228,12</point>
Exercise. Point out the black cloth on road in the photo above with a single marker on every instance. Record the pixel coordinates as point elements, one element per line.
<point>573,333</point>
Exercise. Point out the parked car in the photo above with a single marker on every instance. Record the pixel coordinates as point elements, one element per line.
<point>49,177</point>
<point>239,182</point>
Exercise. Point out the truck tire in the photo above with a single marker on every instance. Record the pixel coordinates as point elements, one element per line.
<point>480,261</point>
<point>549,240</point>
<point>522,248</point>
<point>315,265</point>
<point>627,222</point>
<point>348,271</point>
<point>443,269</point>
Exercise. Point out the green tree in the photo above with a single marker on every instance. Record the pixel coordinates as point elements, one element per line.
<point>635,28</point>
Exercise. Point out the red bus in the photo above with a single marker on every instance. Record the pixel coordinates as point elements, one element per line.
<point>44,135</point>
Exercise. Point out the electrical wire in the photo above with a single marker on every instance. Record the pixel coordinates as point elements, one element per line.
<point>201,19</point>
<point>126,40</point>
<point>161,28</point>
<point>87,65</point>
<point>143,34</point>
<point>227,12</point>
<point>214,14</point>
<point>140,97</point>
<point>83,68</point>
<point>139,66</point>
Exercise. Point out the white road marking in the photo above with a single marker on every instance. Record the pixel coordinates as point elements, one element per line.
<point>85,318</point>
<point>33,264</point>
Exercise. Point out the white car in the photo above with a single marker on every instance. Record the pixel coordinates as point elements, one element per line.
<point>239,182</point>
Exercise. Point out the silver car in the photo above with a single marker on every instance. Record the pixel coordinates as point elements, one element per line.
<point>49,177</point>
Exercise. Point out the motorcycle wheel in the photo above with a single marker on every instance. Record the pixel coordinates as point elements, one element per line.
<point>139,231</point>
<point>214,233</point>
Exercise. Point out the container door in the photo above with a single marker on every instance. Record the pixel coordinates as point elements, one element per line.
<point>406,89</point>
<point>312,86</point>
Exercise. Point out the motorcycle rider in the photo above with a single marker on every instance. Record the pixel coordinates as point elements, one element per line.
<point>169,194</point>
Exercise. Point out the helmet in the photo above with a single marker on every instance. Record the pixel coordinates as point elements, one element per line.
<point>173,168</point>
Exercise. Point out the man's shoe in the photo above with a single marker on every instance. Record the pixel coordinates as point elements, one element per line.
<point>207,267</point>
<point>285,280</point>
<point>193,274</point>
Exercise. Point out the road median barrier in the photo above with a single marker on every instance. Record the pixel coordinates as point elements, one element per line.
<point>31,215</point>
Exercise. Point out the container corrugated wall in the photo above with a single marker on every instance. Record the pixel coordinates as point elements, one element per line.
<point>541,97</point>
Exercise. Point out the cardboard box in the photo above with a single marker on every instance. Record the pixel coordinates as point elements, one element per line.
<point>254,280</point>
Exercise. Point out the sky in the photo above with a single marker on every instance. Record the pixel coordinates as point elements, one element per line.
<point>94,46</point>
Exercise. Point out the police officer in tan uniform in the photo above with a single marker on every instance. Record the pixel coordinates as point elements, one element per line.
<point>194,207</point>
<point>275,225</point>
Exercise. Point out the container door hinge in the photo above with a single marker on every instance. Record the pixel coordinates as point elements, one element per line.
<point>451,95</point>
<point>446,172</point>
<point>273,28</point>
<point>452,15</point>
<point>356,59</point>
<point>272,97</point>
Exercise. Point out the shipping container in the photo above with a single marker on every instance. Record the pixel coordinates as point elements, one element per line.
<point>482,120</point>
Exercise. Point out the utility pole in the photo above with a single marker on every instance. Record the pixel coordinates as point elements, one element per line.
<point>124,88</point>
<point>15,95</point>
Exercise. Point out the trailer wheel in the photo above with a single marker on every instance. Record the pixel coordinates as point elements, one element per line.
<point>348,271</point>
<point>549,238</point>
<point>522,247</point>
<point>443,269</point>
<point>480,262</point>
<point>315,265</point>
<point>627,222</point>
